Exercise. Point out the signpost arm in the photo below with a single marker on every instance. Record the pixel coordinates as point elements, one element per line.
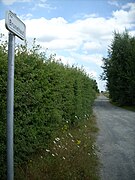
<point>10,107</point>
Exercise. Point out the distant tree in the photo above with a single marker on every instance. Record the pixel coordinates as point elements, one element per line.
<point>95,86</point>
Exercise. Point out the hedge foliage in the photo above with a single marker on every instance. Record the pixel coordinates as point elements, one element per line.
<point>47,95</point>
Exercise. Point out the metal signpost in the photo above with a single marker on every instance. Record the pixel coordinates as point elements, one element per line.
<point>16,28</point>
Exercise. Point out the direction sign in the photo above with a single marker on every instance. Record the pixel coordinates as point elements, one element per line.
<point>15,25</point>
<point>16,28</point>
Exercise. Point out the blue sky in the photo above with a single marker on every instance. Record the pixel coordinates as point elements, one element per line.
<point>77,31</point>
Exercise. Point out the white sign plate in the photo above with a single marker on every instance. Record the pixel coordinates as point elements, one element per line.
<point>15,25</point>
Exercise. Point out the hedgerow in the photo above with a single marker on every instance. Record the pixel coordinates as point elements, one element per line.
<point>47,95</point>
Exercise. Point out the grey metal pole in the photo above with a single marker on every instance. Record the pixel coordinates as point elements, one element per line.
<point>10,108</point>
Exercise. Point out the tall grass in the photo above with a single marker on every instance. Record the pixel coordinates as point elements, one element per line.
<point>70,155</point>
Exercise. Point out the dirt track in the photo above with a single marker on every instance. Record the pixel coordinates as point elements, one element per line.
<point>116,140</point>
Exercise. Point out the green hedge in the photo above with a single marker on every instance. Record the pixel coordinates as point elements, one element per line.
<point>47,94</point>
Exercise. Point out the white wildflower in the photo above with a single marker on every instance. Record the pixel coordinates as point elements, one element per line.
<point>47,150</point>
<point>63,158</point>
<point>70,134</point>
<point>54,142</point>
<point>41,157</point>
<point>53,154</point>
<point>57,139</point>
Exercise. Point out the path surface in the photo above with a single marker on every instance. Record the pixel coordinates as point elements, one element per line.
<point>116,140</point>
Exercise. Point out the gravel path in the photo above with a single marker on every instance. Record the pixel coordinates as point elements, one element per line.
<point>116,140</point>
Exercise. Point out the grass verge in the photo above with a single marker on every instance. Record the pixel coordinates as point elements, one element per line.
<point>130,108</point>
<point>70,155</point>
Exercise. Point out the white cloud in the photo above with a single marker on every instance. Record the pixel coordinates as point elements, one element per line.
<point>132,33</point>
<point>89,46</point>
<point>41,28</point>
<point>62,44</point>
<point>84,16</point>
<point>66,60</point>
<point>129,6</point>
<point>88,58</point>
<point>126,15</point>
<point>10,2</point>
<point>26,16</point>
<point>114,3</point>
<point>43,4</point>
<point>91,73</point>
<point>37,4</point>
<point>2,27</point>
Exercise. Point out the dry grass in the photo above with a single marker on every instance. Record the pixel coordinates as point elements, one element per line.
<point>70,155</point>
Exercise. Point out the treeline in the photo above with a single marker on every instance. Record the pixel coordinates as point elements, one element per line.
<point>119,69</point>
<point>49,96</point>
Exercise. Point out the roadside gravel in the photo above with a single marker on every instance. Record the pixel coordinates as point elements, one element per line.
<point>116,140</point>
